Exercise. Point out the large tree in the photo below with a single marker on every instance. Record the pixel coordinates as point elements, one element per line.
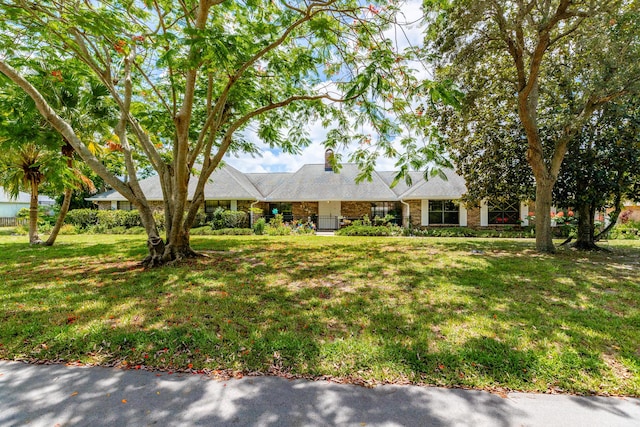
<point>531,47</point>
<point>188,77</point>
<point>603,169</point>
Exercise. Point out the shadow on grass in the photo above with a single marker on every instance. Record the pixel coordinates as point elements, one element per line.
<point>413,310</point>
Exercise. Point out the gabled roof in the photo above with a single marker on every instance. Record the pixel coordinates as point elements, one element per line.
<point>310,183</point>
<point>401,187</point>
<point>225,183</point>
<point>267,182</point>
<point>437,188</point>
<point>313,183</point>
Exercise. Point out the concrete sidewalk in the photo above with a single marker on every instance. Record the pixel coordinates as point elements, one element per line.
<point>58,395</point>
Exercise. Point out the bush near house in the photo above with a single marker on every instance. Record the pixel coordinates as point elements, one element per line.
<point>110,222</point>
<point>471,232</point>
<point>370,230</point>
<point>629,230</point>
<point>224,218</point>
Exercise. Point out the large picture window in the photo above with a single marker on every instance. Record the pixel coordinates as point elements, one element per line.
<point>444,212</point>
<point>212,205</point>
<point>504,213</point>
<point>382,209</point>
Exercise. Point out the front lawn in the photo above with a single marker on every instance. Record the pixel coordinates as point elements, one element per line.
<point>477,313</point>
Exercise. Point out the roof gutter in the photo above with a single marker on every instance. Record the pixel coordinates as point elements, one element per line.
<point>408,210</point>
<point>251,211</point>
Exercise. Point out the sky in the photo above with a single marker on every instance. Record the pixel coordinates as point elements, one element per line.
<point>272,160</point>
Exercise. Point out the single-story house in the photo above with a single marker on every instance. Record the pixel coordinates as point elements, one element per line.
<point>330,199</point>
<point>9,207</point>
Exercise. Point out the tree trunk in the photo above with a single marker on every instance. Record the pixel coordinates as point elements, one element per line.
<point>613,217</point>
<point>586,229</point>
<point>544,237</point>
<point>179,247</point>
<point>34,239</point>
<point>61,216</point>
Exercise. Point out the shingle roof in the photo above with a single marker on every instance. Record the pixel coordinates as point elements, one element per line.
<point>437,188</point>
<point>267,182</point>
<point>225,183</point>
<point>401,187</point>
<point>310,183</point>
<point>313,183</point>
<point>22,197</point>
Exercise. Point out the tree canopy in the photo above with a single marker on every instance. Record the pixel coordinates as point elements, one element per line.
<point>553,63</point>
<point>189,77</point>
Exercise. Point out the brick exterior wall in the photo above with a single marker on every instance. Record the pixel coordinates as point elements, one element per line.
<point>304,209</point>
<point>415,207</point>
<point>355,209</point>
<point>473,216</point>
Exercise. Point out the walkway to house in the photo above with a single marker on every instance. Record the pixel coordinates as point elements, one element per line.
<point>325,233</point>
<point>58,395</point>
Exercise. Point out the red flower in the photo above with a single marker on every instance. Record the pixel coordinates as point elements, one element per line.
<point>570,213</point>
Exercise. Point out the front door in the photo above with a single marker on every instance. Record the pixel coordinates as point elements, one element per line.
<point>328,213</point>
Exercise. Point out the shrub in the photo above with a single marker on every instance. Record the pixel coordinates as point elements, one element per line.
<point>303,227</point>
<point>158,217</point>
<point>82,218</point>
<point>46,214</point>
<point>21,230</point>
<point>116,230</point>
<point>370,230</point>
<point>627,231</point>
<point>471,232</point>
<point>68,229</point>
<point>135,230</point>
<point>259,226</point>
<point>118,218</point>
<point>200,219</point>
<point>232,232</point>
<point>223,218</point>
<point>277,227</point>
<point>235,219</point>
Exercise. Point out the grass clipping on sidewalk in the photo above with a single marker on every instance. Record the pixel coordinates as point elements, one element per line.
<point>479,313</point>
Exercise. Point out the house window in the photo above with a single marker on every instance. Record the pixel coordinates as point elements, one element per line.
<point>124,206</point>
<point>443,212</point>
<point>212,205</point>
<point>382,209</point>
<point>504,213</point>
<point>283,209</point>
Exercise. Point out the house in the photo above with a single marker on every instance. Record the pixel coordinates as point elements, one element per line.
<point>9,207</point>
<point>328,198</point>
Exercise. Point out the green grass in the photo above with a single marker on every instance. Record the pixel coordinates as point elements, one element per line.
<point>480,313</point>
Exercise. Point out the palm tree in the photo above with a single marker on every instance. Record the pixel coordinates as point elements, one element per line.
<point>36,153</point>
<point>25,168</point>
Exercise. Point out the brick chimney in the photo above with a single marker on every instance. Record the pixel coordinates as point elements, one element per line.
<point>328,157</point>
